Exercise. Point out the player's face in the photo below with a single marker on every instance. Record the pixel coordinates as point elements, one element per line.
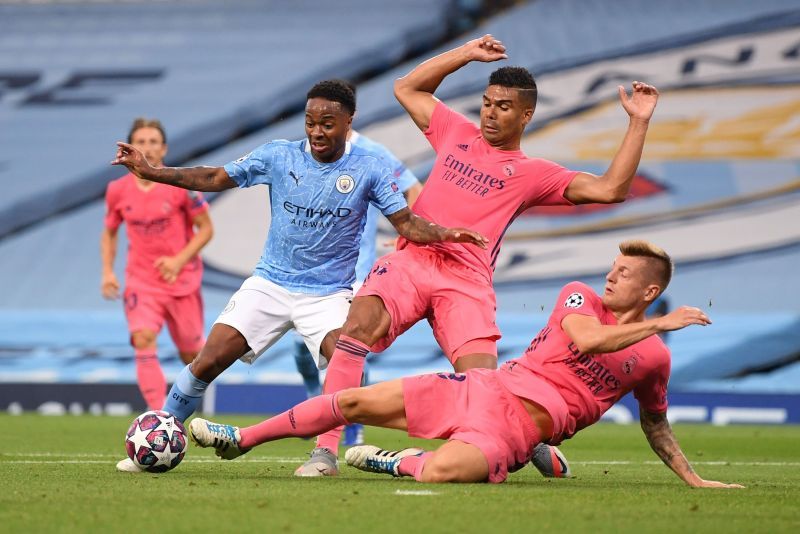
<point>150,141</point>
<point>628,284</point>
<point>327,124</point>
<point>504,115</point>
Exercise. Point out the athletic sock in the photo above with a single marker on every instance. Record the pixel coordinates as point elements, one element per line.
<point>150,378</point>
<point>307,419</point>
<point>307,369</point>
<point>185,395</point>
<point>345,371</point>
<point>411,466</point>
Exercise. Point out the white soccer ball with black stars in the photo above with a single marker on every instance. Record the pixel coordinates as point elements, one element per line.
<point>156,441</point>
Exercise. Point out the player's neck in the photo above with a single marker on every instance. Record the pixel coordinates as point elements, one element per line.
<point>506,146</point>
<point>635,315</point>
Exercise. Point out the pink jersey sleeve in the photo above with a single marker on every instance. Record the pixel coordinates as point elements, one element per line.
<point>445,122</point>
<point>195,203</point>
<point>550,184</point>
<point>113,217</point>
<point>576,297</point>
<point>652,392</point>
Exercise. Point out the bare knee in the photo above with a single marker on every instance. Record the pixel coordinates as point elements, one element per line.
<point>368,320</point>
<point>350,404</point>
<point>143,339</point>
<point>224,346</point>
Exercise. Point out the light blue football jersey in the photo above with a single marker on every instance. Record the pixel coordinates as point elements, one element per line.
<point>404,178</point>
<point>318,211</point>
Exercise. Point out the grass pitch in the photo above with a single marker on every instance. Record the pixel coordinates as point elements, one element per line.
<point>58,475</point>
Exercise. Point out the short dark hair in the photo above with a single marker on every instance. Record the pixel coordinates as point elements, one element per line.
<point>664,267</point>
<point>335,91</point>
<point>142,122</point>
<point>516,78</point>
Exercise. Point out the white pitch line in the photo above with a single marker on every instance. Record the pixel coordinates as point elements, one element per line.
<point>415,492</point>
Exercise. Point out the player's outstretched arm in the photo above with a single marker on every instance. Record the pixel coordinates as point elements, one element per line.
<point>194,178</point>
<point>592,337</point>
<point>415,90</point>
<point>663,441</point>
<point>109,285</point>
<point>613,186</point>
<point>415,228</point>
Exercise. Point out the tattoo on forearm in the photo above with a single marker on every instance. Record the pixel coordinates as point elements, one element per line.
<point>663,442</point>
<point>195,178</point>
<point>415,228</point>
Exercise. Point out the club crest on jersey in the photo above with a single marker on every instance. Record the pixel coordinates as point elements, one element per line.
<point>508,170</point>
<point>629,364</point>
<point>345,183</point>
<point>165,207</point>
<point>574,301</point>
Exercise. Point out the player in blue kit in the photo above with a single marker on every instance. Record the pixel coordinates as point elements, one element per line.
<point>411,188</point>
<point>320,189</point>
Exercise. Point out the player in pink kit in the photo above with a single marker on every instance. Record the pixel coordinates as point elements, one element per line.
<point>593,351</point>
<point>482,180</point>
<point>164,270</point>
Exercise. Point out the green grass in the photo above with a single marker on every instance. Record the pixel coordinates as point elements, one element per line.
<point>57,475</point>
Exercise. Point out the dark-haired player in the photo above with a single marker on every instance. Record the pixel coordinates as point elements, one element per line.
<point>481,179</point>
<point>320,189</point>
<point>593,351</point>
<point>163,270</point>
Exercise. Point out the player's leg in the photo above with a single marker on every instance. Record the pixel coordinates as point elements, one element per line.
<point>307,368</point>
<point>185,324</point>
<point>144,313</point>
<point>254,319</point>
<point>393,298</point>
<point>455,461</point>
<point>378,405</point>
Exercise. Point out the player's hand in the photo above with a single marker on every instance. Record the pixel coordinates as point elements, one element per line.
<point>463,235</point>
<point>714,484</point>
<point>641,103</point>
<point>109,286</point>
<point>683,317</point>
<point>486,49</point>
<point>132,158</point>
<point>169,267</point>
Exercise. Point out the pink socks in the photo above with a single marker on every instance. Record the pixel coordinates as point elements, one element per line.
<point>307,419</point>
<point>411,466</point>
<point>150,378</point>
<point>344,371</point>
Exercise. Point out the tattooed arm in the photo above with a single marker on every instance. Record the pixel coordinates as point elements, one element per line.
<point>659,434</point>
<point>415,228</point>
<point>194,178</point>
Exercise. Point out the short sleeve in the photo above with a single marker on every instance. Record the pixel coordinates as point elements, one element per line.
<point>576,297</point>
<point>256,167</point>
<point>550,184</point>
<point>195,203</point>
<point>652,392</point>
<point>113,216</point>
<point>384,192</point>
<point>444,121</point>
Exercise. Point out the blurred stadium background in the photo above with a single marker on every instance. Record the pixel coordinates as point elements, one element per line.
<point>718,186</point>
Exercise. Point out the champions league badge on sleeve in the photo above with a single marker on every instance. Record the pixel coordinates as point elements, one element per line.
<point>345,183</point>
<point>574,301</point>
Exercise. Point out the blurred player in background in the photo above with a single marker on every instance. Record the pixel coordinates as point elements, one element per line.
<point>166,229</point>
<point>592,352</point>
<point>410,187</point>
<point>320,189</point>
<point>480,179</point>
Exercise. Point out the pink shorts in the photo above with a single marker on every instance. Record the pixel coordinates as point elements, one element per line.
<point>184,316</point>
<point>416,283</point>
<point>475,408</point>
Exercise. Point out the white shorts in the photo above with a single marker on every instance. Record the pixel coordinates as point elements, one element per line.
<point>263,312</point>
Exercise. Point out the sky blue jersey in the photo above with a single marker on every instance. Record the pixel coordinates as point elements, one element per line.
<point>405,180</point>
<point>318,211</point>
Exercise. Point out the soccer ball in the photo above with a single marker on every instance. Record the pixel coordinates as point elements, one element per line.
<point>156,441</point>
